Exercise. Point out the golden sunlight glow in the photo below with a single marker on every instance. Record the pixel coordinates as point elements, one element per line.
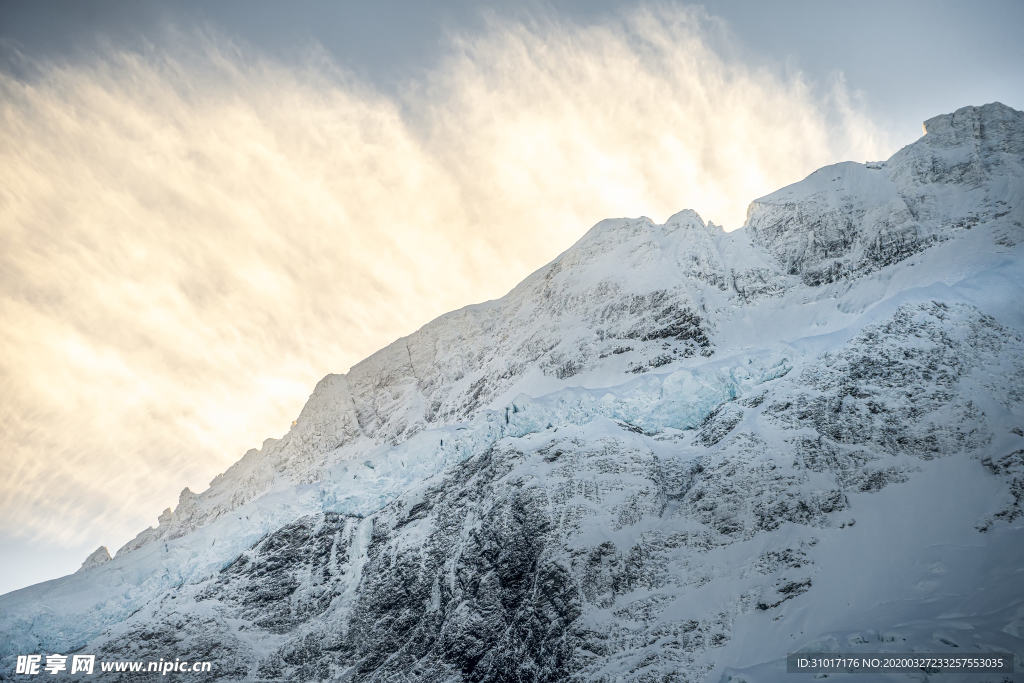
<point>192,237</point>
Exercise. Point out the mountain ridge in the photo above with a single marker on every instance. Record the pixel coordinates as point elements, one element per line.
<point>894,235</point>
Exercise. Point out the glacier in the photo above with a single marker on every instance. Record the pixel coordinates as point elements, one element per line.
<point>672,454</point>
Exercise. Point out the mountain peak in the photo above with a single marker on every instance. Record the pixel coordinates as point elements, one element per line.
<point>972,123</point>
<point>849,219</point>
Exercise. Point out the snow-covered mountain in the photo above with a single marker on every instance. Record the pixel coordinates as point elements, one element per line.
<point>672,454</point>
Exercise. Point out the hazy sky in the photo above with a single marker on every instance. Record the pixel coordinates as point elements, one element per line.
<point>204,208</point>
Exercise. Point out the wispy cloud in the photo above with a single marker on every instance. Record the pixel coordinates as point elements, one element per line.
<point>190,236</point>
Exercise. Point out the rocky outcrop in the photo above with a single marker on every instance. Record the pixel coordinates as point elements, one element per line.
<point>96,558</point>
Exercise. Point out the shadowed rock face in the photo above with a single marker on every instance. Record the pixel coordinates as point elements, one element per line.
<point>673,454</point>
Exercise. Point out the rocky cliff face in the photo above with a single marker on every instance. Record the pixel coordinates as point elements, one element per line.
<point>672,454</point>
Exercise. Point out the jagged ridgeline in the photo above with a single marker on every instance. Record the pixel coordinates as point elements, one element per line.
<point>672,454</point>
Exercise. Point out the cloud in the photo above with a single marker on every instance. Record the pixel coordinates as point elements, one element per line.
<point>192,235</point>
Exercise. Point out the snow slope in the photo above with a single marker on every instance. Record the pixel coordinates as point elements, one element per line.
<point>673,453</point>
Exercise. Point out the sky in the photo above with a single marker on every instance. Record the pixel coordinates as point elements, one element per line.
<point>206,207</point>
